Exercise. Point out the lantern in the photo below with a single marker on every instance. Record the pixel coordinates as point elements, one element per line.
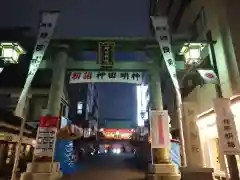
<point>192,53</point>
<point>10,52</point>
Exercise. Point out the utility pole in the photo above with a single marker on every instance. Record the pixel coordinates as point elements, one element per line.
<point>231,159</point>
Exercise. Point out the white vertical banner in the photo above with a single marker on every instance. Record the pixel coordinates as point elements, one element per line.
<point>227,132</point>
<point>160,25</point>
<point>46,28</point>
<point>159,129</point>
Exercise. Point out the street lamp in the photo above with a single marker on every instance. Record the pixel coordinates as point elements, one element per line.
<point>10,52</point>
<point>192,53</point>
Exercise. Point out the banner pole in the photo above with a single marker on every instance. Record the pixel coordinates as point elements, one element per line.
<point>47,24</point>
<point>162,34</point>
<point>180,124</point>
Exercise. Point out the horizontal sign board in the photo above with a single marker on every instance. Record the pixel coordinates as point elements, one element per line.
<point>106,76</point>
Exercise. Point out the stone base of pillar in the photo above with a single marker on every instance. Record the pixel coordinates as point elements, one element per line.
<point>162,172</point>
<point>188,173</point>
<point>42,171</point>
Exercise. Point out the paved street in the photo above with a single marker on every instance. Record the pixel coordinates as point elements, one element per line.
<point>108,167</point>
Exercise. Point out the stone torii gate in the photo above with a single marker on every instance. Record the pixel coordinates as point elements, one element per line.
<point>63,62</point>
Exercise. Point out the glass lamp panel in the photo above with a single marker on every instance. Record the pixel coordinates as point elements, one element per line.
<point>194,53</point>
<point>7,52</point>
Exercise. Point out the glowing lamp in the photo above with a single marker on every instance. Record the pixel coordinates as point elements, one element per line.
<point>192,53</point>
<point>10,52</point>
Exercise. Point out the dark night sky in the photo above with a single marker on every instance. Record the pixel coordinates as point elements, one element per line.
<point>82,18</point>
<point>117,100</point>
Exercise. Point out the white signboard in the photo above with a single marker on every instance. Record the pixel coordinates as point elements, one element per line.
<point>106,76</point>
<point>45,141</point>
<point>159,127</point>
<point>46,28</point>
<point>226,126</point>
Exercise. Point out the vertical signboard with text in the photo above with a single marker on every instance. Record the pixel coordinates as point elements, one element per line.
<point>159,128</point>
<point>227,132</point>
<point>46,136</point>
<point>106,54</point>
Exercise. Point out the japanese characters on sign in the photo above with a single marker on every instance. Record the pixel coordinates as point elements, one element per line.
<point>227,132</point>
<point>70,156</point>
<point>191,134</point>
<point>163,37</point>
<point>46,28</point>
<point>46,138</point>
<point>159,129</point>
<point>106,76</point>
<point>105,54</point>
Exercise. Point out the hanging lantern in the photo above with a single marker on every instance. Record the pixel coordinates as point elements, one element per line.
<point>192,53</point>
<point>10,52</point>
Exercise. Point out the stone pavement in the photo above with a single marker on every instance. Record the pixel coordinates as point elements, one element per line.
<point>109,167</point>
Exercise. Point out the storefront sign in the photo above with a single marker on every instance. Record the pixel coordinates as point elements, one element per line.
<point>105,54</point>
<point>105,76</point>
<point>46,28</point>
<point>159,128</point>
<point>46,138</point>
<point>226,126</point>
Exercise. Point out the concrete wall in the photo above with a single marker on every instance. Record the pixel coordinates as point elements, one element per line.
<point>203,96</point>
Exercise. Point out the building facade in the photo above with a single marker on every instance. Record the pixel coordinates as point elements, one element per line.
<point>36,105</point>
<point>198,18</point>
<point>84,105</point>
